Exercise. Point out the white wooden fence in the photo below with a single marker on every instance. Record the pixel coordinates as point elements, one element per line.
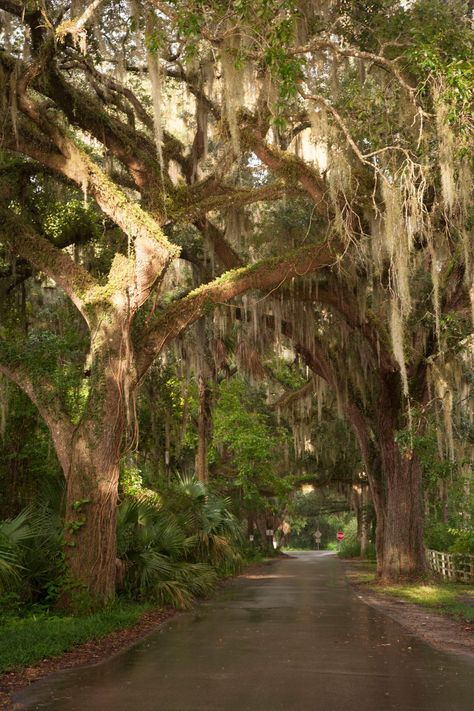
<point>456,567</point>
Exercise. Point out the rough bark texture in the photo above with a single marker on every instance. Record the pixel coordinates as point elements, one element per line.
<point>204,428</point>
<point>90,516</point>
<point>403,557</point>
<point>394,477</point>
<point>93,473</point>
<point>403,548</point>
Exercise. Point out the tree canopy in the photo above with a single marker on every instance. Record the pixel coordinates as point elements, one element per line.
<point>209,182</point>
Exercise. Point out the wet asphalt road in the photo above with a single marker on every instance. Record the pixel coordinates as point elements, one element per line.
<point>288,637</point>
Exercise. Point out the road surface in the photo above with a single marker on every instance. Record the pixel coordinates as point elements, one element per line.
<point>290,636</point>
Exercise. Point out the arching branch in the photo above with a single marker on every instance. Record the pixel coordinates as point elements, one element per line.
<point>45,257</point>
<point>291,168</point>
<point>45,396</point>
<point>270,273</point>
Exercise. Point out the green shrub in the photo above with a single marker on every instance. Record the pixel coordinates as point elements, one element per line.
<point>464,540</point>
<point>443,537</point>
<point>350,546</point>
<point>173,548</point>
<point>438,536</point>
<point>31,559</point>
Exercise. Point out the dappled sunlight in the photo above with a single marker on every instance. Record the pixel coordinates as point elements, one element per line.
<point>432,595</point>
<point>250,576</point>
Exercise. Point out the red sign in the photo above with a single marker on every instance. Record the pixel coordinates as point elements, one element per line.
<point>340,536</point>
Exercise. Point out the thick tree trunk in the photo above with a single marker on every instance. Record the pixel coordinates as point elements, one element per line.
<point>263,527</point>
<point>92,473</point>
<point>403,548</point>
<point>90,518</point>
<point>403,545</point>
<point>204,429</point>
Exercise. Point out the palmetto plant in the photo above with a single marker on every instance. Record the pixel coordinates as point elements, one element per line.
<point>215,531</point>
<point>170,548</point>
<point>30,551</point>
<point>154,550</point>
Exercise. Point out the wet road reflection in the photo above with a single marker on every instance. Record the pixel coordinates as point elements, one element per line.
<point>291,637</point>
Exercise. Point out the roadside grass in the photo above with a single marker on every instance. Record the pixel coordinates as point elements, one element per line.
<point>454,599</point>
<point>27,640</point>
<point>37,635</point>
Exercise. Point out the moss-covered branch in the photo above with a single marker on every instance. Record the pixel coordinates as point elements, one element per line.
<point>42,394</point>
<point>189,204</point>
<point>289,167</point>
<point>153,252</point>
<point>45,257</point>
<point>266,274</point>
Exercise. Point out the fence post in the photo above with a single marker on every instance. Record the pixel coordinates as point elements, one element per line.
<point>454,567</point>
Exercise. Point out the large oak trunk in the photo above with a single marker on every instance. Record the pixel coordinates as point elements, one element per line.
<point>91,512</point>
<point>403,548</point>
<point>93,473</point>
<point>403,556</point>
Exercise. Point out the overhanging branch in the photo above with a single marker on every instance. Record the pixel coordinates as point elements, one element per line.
<point>45,257</point>
<point>267,274</point>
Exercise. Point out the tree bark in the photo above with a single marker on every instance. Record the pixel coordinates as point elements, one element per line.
<point>204,429</point>
<point>90,515</point>
<point>403,546</point>
<point>92,470</point>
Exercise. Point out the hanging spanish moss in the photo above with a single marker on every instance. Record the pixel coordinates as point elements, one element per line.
<point>206,77</point>
<point>154,71</point>
<point>451,382</point>
<point>447,148</point>
<point>397,338</point>
<point>233,87</point>
<point>397,245</point>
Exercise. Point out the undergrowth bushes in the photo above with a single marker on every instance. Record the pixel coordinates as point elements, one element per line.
<point>171,548</point>
<point>443,537</point>
<point>174,547</point>
<point>349,547</point>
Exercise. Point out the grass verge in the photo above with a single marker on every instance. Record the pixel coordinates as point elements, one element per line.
<point>454,599</point>
<point>27,640</point>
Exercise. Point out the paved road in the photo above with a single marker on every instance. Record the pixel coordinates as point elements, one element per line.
<point>290,637</point>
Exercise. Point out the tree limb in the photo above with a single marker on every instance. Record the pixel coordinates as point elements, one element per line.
<point>290,167</point>
<point>44,395</point>
<point>270,273</point>
<point>223,196</point>
<point>45,257</point>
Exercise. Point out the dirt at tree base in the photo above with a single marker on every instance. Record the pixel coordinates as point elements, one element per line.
<point>91,652</point>
<point>441,631</point>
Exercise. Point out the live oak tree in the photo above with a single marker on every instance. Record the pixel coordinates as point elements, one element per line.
<point>358,107</point>
<point>43,107</point>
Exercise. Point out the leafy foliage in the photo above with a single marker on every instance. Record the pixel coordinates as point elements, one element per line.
<point>254,440</point>
<point>173,549</point>
<point>31,563</point>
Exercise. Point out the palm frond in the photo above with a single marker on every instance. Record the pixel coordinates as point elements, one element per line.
<point>19,529</point>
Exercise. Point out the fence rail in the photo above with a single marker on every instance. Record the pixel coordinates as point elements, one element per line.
<point>455,567</point>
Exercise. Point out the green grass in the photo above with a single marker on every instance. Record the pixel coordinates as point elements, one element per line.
<point>25,641</point>
<point>455,599</point>
<point>451,598</point>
